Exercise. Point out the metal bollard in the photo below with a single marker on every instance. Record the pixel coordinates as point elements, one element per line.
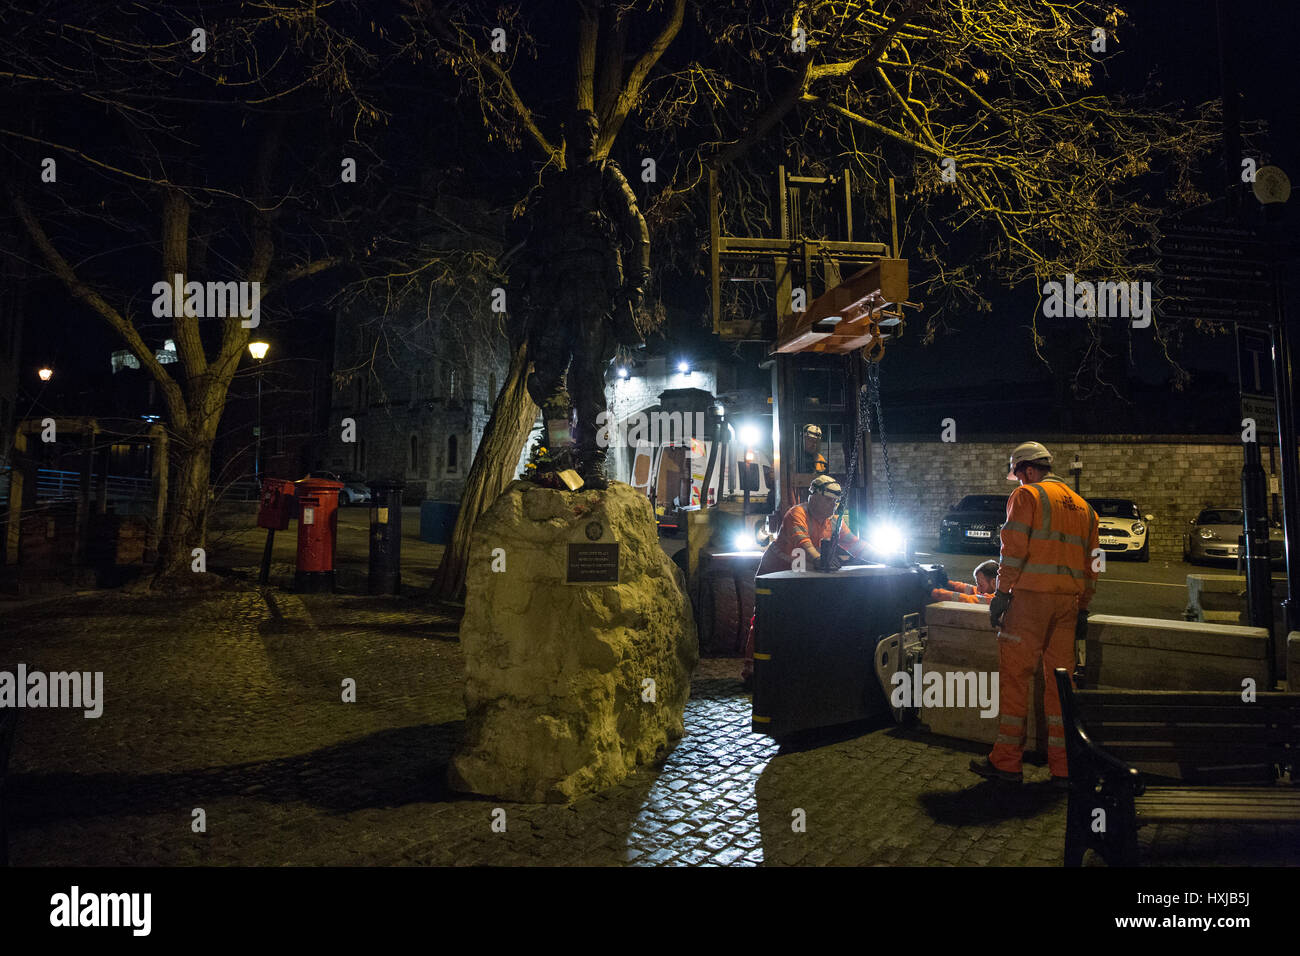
<point>385,537</point>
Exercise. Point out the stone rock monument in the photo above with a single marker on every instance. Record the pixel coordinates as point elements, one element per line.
<point>573,679</point>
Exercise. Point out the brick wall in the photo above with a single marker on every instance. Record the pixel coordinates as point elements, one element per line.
<point>1170,477</point>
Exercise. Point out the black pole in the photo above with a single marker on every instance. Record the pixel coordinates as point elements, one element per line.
<point>257,454</point>
<point>1284,392</point>
<point>265,574</point>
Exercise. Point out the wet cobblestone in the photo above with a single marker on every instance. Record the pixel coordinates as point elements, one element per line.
<point>230,701</point>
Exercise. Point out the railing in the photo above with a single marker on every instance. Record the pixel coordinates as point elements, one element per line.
<point>54,485</point>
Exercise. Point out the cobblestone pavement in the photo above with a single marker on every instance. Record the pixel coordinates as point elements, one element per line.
<point>229,700</point>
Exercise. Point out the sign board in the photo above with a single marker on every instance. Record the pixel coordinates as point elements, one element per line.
<point>593,557</point>
<point>1211,270</point>
<point>592,564</point>
<point>1263,409</point>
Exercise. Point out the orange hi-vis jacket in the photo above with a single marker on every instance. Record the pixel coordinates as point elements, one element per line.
<point>960,591</point>
<point>797,532</point>
<point>1049,541</point>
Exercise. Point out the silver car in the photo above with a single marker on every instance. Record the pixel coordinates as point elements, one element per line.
<point>1214,535</point>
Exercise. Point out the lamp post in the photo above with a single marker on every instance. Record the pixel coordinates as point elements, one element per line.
<point>258,351</point>
<point>45,373</point>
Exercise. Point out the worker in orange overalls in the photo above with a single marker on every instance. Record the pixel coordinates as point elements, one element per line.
<point>803,529</point>
<point>1046,580</point>
<point>986,576</point>
<point>813,461</point>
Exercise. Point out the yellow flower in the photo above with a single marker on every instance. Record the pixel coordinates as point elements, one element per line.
<point>541,451</point>
<point>531,465</point>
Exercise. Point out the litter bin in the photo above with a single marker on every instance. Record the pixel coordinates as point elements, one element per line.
<point>318,524</point>
<point>385,537</point>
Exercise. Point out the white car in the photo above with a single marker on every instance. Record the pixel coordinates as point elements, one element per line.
<point>1123,528</point>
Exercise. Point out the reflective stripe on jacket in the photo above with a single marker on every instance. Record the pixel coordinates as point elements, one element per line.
<point>1048,541</point>
<point>800,531</point>
<point>958,591</point>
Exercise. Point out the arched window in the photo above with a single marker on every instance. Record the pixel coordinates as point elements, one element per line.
<point>453,459</point>
<point>415,453</point>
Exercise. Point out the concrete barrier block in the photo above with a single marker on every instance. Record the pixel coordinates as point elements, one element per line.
<point>958,641</point>
<point>1152,654</point>
<point>1217,597</point>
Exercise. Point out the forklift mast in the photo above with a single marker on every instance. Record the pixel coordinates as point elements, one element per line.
<point>819,344</point>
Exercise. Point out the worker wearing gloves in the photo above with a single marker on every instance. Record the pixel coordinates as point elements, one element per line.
<point>1046,580</point>
<point>981,593</point>
<point>798,545</point>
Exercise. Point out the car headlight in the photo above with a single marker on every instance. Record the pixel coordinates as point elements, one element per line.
<point>1209,534</point>
<point>1139,528</point>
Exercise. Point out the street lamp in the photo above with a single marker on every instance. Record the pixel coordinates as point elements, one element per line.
<point>45,373</point>
<point>258,350</point>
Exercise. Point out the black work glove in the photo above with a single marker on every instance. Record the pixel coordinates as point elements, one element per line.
<point>1081,626</point>
<point>998,608</point>
<point>830,559</point>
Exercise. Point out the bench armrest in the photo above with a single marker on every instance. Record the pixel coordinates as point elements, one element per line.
<point>1089,763</point>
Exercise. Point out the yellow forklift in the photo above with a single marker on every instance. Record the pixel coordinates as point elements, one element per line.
<point>816,632</point>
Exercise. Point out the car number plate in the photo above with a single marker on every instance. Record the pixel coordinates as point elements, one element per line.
<point>979,534</point>
<point>1105,540</point>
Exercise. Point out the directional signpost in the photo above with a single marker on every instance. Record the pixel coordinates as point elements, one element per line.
<point>1213,270</point>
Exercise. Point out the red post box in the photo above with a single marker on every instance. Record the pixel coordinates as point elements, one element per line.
<point>277,504</point>
<point>318,525</point>
<point>275,507</point>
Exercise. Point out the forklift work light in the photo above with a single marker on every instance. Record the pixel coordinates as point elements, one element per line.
<point>886,538</point>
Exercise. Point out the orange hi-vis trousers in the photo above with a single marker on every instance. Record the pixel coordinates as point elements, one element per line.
<point>1038,624</point>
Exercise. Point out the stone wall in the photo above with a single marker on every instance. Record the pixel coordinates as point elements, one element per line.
<point>419,385</point>
<point>1170,477</point>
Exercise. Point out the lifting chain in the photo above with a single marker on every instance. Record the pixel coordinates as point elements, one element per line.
<point>873,396</point>
<point>868,399</point>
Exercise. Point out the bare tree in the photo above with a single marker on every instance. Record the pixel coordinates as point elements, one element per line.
<point>167,141</point>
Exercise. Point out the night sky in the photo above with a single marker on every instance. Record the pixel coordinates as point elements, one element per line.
<point>1168,48</point>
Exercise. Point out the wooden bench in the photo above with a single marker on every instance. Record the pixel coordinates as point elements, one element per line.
<point>1140,756</point>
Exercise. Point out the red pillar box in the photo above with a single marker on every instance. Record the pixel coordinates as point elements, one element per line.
<point>318,525</point>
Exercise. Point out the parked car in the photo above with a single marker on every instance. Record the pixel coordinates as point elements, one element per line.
<point>355,490</point>
<point>1123,527</point>
<point>1213,536</point>
<point>973,522</point>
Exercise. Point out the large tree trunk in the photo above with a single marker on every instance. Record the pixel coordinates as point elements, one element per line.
<point>185,521</point>
<point>512,418</point>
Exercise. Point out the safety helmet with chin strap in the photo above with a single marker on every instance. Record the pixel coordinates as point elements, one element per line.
<point>825,485</point>
<point>1029,453</point>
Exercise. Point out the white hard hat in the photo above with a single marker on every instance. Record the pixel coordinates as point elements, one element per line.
<point>1030,452</point>
<point>812,430</point>
<point>825,485</point>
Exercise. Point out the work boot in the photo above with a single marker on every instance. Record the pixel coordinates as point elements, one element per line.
<point>985,769</point>
<point>593,471</point>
